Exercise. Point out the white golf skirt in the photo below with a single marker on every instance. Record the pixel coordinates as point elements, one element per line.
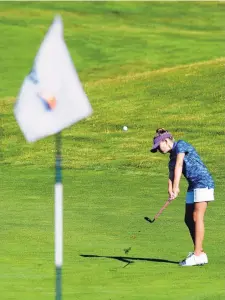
<point>200,195</point>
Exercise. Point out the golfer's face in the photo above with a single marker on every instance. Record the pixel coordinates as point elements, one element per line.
<point>164,147</point>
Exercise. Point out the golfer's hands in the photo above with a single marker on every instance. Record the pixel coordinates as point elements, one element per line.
<point>176,192</point>
<point>171,196</point>
<point>173,193</point>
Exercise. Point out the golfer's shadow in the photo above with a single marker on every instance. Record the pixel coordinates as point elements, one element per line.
<point>130,260</point>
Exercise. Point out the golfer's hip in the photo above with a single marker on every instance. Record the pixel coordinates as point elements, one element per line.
<point>200,195</point>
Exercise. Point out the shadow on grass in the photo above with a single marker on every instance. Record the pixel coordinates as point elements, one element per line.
<point>130,260</point>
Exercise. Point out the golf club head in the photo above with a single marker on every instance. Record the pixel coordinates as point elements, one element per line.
<point>149,220</point>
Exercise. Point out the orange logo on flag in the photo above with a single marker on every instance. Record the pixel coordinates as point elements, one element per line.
<point>49,102</point>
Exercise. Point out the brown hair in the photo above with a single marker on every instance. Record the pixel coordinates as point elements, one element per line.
<point>161,131</point>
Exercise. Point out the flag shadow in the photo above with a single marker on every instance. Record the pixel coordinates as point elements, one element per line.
<point>130,260</point>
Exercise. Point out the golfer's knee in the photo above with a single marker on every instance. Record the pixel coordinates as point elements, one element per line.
<point>198,216</point>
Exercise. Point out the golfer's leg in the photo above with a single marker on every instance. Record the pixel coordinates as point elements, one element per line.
<point>189,221</point>
<point>199,212</point>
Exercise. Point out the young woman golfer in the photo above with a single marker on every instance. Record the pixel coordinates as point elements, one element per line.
<point>184,159</point>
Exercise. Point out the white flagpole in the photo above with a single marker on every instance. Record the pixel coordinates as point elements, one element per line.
<point>58,219</point>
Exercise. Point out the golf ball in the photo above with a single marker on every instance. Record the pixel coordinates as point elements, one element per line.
<point>125,128</point>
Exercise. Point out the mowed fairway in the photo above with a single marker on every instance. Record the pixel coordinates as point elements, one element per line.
<point>143,65</point>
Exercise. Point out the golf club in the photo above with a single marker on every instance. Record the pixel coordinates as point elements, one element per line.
<point>159,213</point>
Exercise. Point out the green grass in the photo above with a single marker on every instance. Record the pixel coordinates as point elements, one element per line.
<point>144,65</point>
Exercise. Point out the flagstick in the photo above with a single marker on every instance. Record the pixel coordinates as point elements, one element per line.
<point>58,219</point>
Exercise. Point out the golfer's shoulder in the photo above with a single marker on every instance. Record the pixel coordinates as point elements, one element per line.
<point>182,146</point>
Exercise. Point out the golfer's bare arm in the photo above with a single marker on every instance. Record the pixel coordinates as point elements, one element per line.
<point>170,182</point>
<point>178,169</point>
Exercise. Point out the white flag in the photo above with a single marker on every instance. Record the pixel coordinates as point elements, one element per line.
<point>51,97</point>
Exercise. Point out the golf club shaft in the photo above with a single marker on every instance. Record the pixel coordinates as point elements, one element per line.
<point>162,209</point>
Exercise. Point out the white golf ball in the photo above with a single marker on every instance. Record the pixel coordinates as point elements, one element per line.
<point>125,128</point>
